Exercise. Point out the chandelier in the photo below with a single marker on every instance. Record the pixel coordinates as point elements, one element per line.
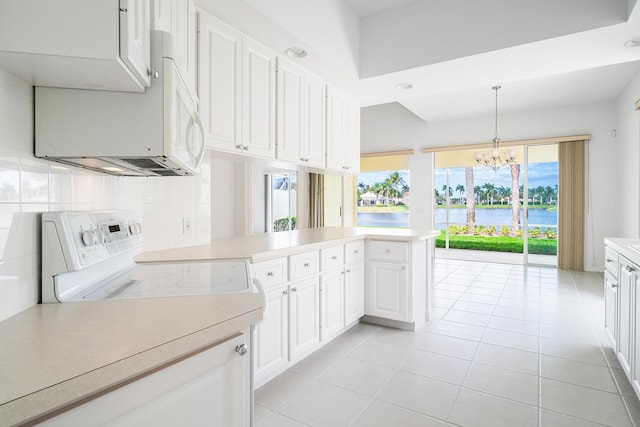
<point>492,160</point>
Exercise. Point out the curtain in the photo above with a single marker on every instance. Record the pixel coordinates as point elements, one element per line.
<point>571,205</point>
<point>316,201</point>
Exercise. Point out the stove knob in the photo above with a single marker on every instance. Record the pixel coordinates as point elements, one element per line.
<point>88,238</point>
<point>101,239</point>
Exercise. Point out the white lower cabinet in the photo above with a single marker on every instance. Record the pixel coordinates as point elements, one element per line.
<point>272,334</point>
<point>332,301</point>
<point>211,387</point>
<point>628,278</point>
<point>353,293</point>
<point>388,291</point>
<point>622,312</point>
<point>304,317</point>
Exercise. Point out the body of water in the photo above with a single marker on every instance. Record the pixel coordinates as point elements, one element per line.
<point>487,217</point>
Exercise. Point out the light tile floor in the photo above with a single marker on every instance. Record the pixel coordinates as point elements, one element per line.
<point>508,346</point>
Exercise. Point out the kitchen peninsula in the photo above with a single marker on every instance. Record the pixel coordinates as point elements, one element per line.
<point>319,282</point>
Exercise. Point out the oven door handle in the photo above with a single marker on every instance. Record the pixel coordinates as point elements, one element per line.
<point>263,296</point>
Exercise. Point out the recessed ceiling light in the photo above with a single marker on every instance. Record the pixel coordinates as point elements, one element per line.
<point>404,86</point>
<point>296,52</point>
<point>635,42</point>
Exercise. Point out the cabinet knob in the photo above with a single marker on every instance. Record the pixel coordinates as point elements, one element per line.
<point>348,270</point>
<point>306,265</point>
<point>245,147</point>
<point>334,257</point>
<point>613,286</point>
<point>609,260</point>
<point>629,269</point>
<point>270,273</point>
<point>294,290</point>
<point>239,146</point>
<point>241,349</point>
<point>387,250</point>
<point>356,251</point>
<point>285,293</point>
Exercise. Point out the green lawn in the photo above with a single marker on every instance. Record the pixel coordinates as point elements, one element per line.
<point>499,206</point>
<point>498,244</point>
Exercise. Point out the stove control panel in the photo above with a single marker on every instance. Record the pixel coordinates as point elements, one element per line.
<point>87,238</point>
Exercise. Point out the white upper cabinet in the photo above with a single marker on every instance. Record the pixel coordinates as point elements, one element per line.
<point>178,17</point>
<point>343,132</point>
<point>258,99</point>
<point>237,90</point>
<point>301,116</point>
<point>290,111</point>
<point>86,45</point>
<point>219,86</point>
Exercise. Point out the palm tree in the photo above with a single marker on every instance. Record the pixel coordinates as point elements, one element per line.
<point>515,199</point>
<point>396,180</point>
<point>490,190</point>
<point>470,199</point>
<point>478,190</point>
<point>448,192</point>
<point>460,190</point>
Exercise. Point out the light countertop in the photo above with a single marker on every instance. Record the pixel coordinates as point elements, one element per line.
<point>53,355</point>
<point>261,247</point>
<point>623,247</point>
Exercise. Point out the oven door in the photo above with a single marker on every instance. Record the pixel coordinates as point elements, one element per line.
<point>183,131</point>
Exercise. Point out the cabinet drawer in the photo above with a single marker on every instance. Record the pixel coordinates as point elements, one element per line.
<point>331,257</point>
<point>302,265</point>
<point>354,251</point>
<point>388,251</point>
<point>270,273</point>
<point>611,261</point>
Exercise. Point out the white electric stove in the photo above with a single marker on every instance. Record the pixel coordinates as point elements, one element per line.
<point>89,256</point>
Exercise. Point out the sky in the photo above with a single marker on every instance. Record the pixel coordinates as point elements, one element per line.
<point>540,174</point>
<point>370,178</point>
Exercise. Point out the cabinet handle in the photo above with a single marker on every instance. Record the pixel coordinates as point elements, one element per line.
<point>306,265</point>
<point>294,290</point>
<point>629,269</point>
<point>241,349</point>
<point>270,273</point>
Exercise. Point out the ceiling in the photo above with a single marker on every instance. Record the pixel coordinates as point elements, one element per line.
<point>544,54</point>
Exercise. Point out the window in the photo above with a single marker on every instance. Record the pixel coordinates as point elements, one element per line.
<point>281,206</point>
<point>383,192</point>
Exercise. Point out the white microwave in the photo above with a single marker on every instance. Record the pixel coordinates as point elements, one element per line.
<point>156,133</point>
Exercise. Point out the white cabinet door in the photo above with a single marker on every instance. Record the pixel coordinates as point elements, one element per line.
<point>219,74</point>
<point>351,146</point>
<point>304,317</point>
<point>271,335</point>
<point>135,37</point>
<point>331,304</point>
<point>635,353</point>
<point>161,12</point>
<point>290,100</point>
<point>626,284</point>
<point>336,124</point>
<point>184,31</point>
<point>313,146</point>
<point>387,291</point>
<point>610,306</point>
<point>343,132</point>
<point>213,385</point>
<point>258,100</point>
<point>354,292</point>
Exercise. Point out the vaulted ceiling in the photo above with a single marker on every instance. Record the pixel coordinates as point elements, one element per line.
<point>544,53</point>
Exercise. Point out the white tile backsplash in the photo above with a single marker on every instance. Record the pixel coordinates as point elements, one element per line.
<point>29,186</point>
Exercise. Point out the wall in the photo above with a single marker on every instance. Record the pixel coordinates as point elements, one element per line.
<point>627,171</point>
<point>29,186</point>
<point>400,131</point>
